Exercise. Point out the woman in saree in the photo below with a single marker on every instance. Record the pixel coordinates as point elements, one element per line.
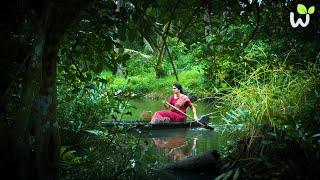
<point>178,100</point>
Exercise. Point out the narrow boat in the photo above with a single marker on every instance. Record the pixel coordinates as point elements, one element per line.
<point>203,121</point>
<point>147,125</point>
<point>72,137</point>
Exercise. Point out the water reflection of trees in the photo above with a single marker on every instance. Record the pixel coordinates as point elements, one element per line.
<point>177,146</point>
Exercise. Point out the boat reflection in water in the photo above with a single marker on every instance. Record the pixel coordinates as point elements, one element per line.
<point>177,145</point>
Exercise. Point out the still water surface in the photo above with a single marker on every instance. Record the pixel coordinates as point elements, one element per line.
<point>161,147</point>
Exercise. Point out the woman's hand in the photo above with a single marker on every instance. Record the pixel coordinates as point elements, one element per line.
<point>196,118</point>
<point>165,104</point>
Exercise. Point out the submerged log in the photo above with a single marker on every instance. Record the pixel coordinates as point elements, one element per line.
<point>207,162</point>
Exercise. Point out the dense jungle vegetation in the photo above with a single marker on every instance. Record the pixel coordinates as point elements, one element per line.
<point>68,66</point>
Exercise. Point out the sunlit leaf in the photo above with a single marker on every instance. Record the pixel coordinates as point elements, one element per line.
<point>95,132</point>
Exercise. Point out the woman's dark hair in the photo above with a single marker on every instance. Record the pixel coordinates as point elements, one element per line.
<point>177,85</point>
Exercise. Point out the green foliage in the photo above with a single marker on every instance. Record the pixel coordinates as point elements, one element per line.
<point>276,112</point>
<point>274,96</point>
<point>105,155</point>
<point>87,105</point>
<point>147,85</point>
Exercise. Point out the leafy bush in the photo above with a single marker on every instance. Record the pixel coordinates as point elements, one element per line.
<point>146,84</point>
<point>274,96</point>
<point>277,112</point>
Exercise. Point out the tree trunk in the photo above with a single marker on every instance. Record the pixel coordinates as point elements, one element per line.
<point>207,18</point>
<point>44,118</point>
<point>20,131</point>
<point>159,67</point>
<point>119,4</point>
<point>29,136</point>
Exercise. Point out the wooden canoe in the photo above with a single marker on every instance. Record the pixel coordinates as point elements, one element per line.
<point>72,137</point>
<point>146,125</point>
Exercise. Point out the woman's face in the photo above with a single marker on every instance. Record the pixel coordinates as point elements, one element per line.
<point>175,90</point>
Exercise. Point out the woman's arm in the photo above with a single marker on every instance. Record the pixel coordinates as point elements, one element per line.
<point>194,111</point>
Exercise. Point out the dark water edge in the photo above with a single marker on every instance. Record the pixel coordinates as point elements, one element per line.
<point>185,143</point>
<point>185,175</point>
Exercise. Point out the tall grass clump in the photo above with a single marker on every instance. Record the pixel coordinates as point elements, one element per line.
<point>273,96</point>
<point>278,112</point>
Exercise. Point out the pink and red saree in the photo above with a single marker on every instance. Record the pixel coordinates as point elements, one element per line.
<point>182,103</point>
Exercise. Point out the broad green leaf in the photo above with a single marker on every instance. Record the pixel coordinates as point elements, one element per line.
<point>228,175</point>
<point>301,9</point>
<point>94,132</point>
<point>68,155</point>
<point>311,10</point>
<point>236,174</point>
<point>221,176</point>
